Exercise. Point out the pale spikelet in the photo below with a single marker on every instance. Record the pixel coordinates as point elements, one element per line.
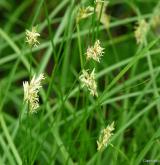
<point>32,37</point>
<point>31,92</point>
<point>141,31</point>
<point>104,137</point>
<point>155,21</point>
<point>95,52</point>
<point>84,13</point>
<point>100,12</point>
<point>88,80</point>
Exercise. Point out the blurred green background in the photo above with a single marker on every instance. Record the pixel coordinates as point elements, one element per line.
<point>68,123</point>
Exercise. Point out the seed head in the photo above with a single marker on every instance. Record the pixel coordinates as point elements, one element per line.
<point>84,13</point>
<point>88,80</point>
<point>31,37</point>
<point>31,92</point>
<point>95,52</point>
<point>141,31</point>
<point>104,137</point>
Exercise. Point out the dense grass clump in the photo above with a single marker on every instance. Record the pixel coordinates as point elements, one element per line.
<point>79,82</point>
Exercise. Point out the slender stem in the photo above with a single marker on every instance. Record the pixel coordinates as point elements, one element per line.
<point>99,19</point>
<point>30,64</point>
<point>80,48</point>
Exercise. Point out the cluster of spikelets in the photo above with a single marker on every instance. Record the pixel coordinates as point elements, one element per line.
<point>88,80</point>
<point>105,137</point>
<point>84,13</point>
<point>143,26</point>
<point>100,6</point>
<point>31,92</point>
<point>141,31</point>
<point>31,89</point>
<point>32,37</point>
<point>95,52</point>
<point>155,21</point>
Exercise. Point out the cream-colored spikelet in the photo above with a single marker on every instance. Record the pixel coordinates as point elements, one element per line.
<point>95,52</point>
<point>31,92</point>
<point>32,37</point>
<point>101,13</point>
<point>141,31</point>
<point>105,137</point>
<point>88,80</point>
<point>84,13</point>
<point>155,21</point>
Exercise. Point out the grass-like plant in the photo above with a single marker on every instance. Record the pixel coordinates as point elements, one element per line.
<point>79,82</point>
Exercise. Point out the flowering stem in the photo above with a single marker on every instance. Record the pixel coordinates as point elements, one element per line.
<point>99,18</point>
<point>30,64</point>
<point>93,25</point>
<point>28,136</point>
<point>80,48</point>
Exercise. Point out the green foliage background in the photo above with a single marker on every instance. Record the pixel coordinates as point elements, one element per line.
<point>69,120</point>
